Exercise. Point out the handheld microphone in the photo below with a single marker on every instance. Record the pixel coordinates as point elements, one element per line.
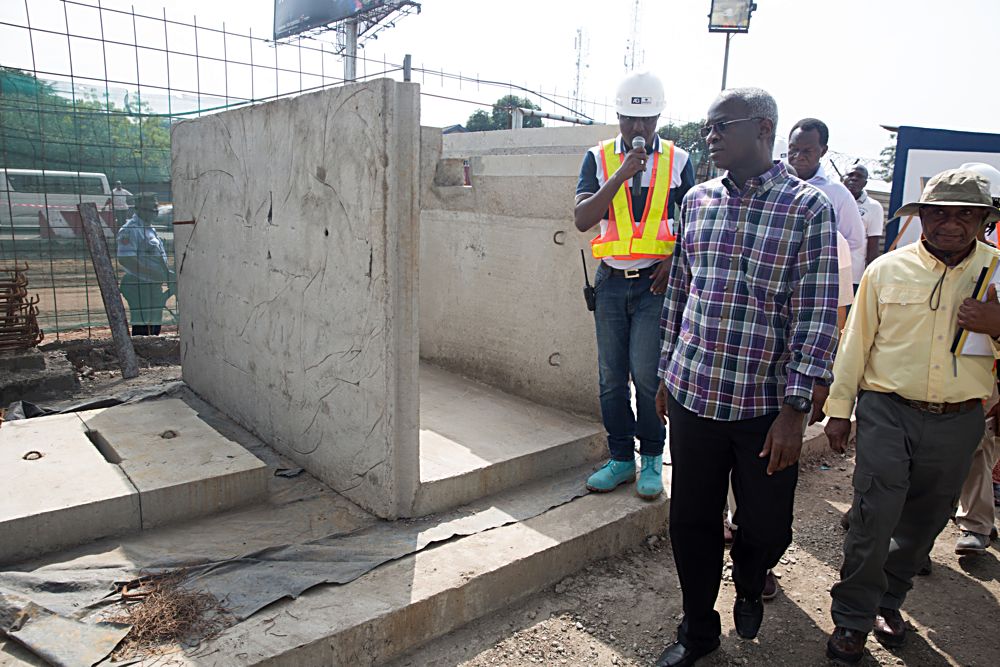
<point>637,142</point>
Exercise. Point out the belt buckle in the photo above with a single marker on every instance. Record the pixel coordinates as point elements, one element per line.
<point>631,274</point>
<point>936,408</point>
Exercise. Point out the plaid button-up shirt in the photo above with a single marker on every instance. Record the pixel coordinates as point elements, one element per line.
<point>750,314</point>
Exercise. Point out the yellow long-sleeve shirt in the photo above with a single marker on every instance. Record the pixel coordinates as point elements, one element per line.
<point>895,343</point>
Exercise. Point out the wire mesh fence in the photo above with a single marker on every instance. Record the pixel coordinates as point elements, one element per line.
<point>88,95</point>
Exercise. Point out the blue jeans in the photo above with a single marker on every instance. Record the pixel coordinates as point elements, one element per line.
<point>628,344</point>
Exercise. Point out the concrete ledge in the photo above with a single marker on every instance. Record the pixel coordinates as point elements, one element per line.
<point>68,496</point>
<point>411,601</point>
<point>25,381</point>
<point>181,466</point>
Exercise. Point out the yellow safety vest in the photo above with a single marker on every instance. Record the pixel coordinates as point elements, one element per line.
<point>625,238</point>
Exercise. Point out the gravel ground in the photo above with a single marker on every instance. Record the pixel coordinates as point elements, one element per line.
<point>623,611</point>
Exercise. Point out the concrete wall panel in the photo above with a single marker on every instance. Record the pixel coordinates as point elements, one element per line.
<point>501,278</point>
<point>298,279</point>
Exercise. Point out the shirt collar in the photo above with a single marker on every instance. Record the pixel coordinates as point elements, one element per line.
<point>759,184</point>
<point>620,144</point>
<point>863,198</point>
<point>934,264</point>
<point>819,178</point>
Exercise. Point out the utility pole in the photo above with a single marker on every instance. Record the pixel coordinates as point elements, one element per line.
<point>351,49</point>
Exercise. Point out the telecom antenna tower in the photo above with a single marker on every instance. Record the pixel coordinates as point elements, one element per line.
<point>582,45</point>
<point>634,55</point>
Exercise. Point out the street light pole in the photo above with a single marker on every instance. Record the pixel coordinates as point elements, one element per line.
<point>725,62</point>
<point>730,17</point>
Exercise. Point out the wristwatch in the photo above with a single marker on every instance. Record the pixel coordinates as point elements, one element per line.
<point>799,403</point>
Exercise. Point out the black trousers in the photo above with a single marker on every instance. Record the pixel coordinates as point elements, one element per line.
<point>704,452</point>
<point>145,329</point>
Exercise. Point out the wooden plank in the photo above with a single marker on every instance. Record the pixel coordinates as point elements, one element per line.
<point>93,232</point>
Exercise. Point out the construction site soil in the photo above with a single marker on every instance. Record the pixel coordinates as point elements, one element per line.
<point>623,611</point>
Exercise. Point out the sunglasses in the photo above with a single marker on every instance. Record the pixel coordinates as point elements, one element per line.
<point>720,127</point>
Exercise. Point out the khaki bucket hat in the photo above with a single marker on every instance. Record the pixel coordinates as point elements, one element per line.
<point>954,187</point>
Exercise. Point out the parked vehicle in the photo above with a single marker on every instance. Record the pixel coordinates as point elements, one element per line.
<point>43,202</point>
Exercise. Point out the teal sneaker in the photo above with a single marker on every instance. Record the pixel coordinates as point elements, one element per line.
<point>612,474</point>
<point>650,484</point>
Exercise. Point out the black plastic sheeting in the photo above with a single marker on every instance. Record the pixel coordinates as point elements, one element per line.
<point>247,584</point>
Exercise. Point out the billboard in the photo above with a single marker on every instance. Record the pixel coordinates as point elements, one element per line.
<point>292,17</point>
<point>922,153</point>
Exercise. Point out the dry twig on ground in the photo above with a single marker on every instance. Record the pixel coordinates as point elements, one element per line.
<point>163,614</point>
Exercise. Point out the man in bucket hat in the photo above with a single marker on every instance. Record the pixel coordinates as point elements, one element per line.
<point>919,407</point>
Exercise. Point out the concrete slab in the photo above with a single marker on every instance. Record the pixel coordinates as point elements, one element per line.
<point>476,441</point>
<point>410,601</point>
<point>57,490</point>
<point>181,466</point>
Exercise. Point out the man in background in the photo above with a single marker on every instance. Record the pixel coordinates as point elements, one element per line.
<point>872,215</point>
<point>807,144</point>
<point>118,201</point>
<point>144,260</point>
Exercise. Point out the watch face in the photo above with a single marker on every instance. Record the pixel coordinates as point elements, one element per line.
<point>799,403</point>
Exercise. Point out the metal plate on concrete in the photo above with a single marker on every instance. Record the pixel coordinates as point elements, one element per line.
<point>57,490</point>
<point>182,467</point>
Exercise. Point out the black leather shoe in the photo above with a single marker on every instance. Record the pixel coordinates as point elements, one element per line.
<point>678,655</point>
<point>890,628</point>
<point>747,616</point>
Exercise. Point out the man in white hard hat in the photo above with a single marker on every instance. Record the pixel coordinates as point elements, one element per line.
<point>630,185</point>
<point>976,515</point>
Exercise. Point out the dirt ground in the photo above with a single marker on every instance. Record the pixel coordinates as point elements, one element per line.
<point>623,611</point>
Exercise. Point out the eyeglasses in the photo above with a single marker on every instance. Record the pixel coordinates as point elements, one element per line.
<point>720,127</point>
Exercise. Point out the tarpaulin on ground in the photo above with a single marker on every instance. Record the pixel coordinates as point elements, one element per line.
<point>80,588</point>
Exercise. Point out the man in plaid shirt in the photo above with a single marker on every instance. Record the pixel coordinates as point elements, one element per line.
<point>750,329</point>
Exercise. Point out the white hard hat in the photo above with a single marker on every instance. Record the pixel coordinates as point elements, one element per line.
<point>780,150</point>
<point>987,171</point>
<point>640,94</point>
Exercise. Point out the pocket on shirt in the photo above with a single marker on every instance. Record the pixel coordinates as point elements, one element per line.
<point>766,269</point>
<point>903,295</point>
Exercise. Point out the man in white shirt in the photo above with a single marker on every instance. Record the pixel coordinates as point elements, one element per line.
<point>872,213</point>
<point>807,144</point>
<point>118,201</point>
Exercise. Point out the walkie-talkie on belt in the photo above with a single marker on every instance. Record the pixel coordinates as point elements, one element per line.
<point>588,291</point>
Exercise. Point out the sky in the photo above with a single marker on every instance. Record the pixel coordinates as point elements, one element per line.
<point>856,64</point>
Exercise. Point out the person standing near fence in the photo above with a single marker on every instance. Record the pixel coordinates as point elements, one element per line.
<point>144,260</point>
<point>118,201</point>
<point>629,185</point>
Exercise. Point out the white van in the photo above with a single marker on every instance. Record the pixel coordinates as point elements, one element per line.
<point>43,202</point>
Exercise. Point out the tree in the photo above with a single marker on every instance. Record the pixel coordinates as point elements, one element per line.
<point>501,116</point>
<point>479,121</point>
<point>43,129</point>
<point>687,137</point>
<point>887,160</point>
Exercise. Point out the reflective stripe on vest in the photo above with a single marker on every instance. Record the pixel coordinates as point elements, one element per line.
<point>623,238</point>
